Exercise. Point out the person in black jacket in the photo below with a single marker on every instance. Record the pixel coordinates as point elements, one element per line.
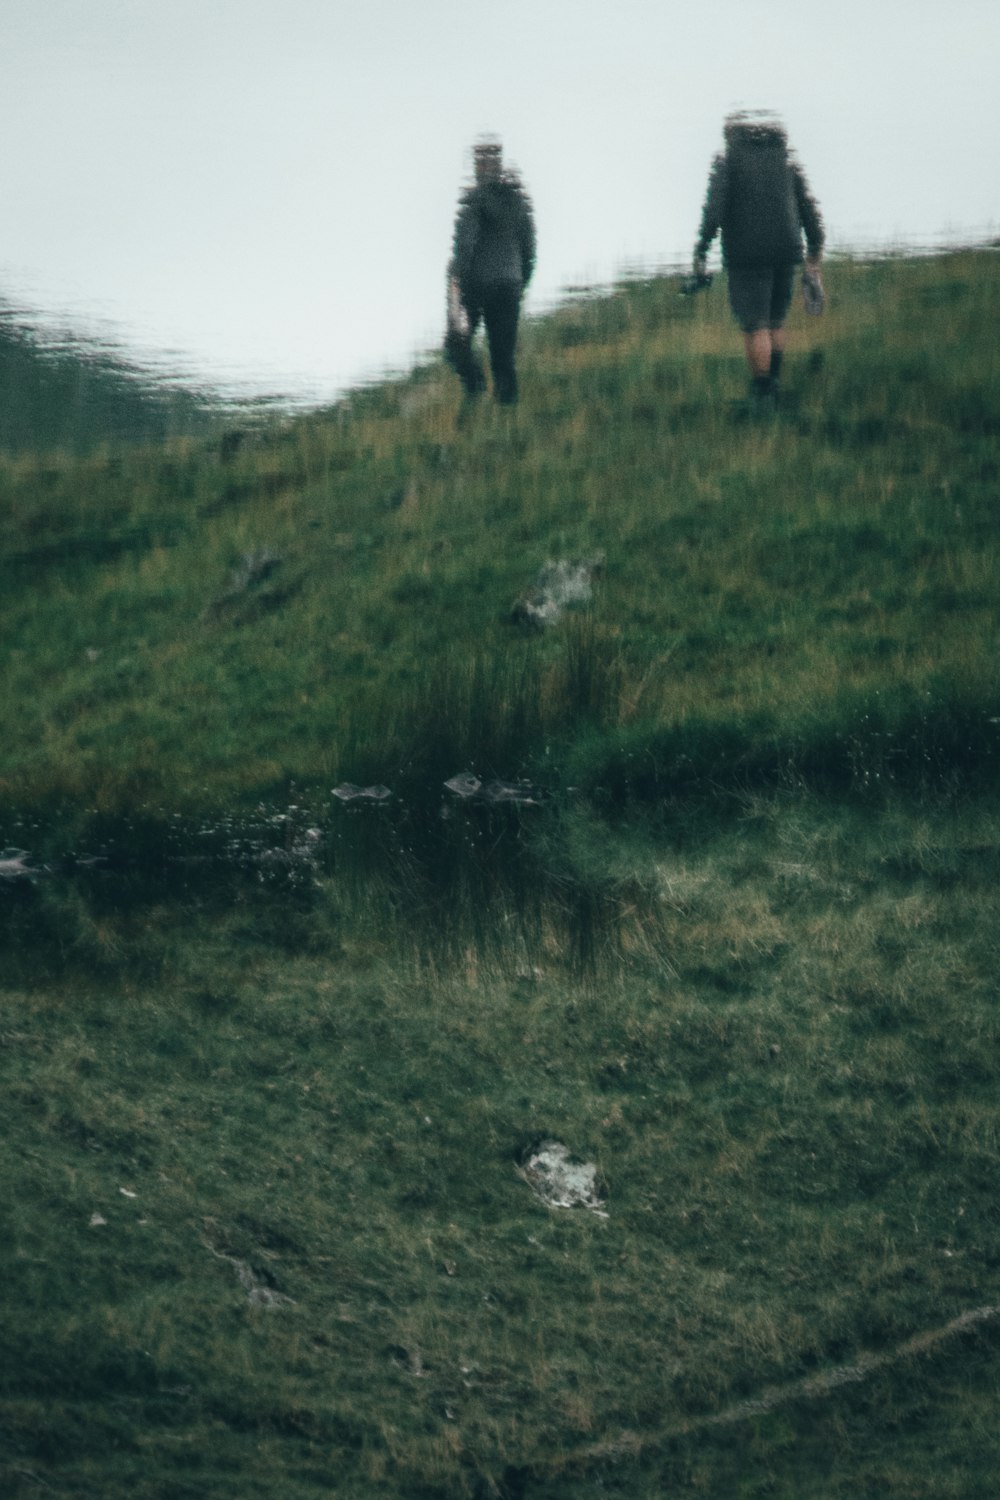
<point>759,198</point>
<point>493,256</point>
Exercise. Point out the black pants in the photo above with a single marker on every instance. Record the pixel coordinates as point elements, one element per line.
<point>499,308</point>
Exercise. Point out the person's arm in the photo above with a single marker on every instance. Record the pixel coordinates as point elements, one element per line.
<point>711,214</point>
<point>811,219</point>
<point>528,242</point>
<point>464,239</point>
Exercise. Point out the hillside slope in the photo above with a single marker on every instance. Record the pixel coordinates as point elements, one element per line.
<point>69,394</point>
<point>277,1069</point>
<point>333,599</point>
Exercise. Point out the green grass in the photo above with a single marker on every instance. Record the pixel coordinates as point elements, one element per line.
<point>60,394</point>
<point>783,574</point>
<point>781,1054</point>
<point>742,955</point>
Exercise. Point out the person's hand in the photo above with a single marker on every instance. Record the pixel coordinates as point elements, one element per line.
<point>699,268</point>
<point>814,297</point>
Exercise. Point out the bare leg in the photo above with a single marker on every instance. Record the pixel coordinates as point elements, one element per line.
<point>758,347</point>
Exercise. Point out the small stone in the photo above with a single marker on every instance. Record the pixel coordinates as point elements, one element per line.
<point>560,1180</point>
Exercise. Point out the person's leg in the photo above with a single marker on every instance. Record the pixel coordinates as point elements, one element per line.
<point>460,355</point>
<point>759,345</point>
<point>501,310</point>
<point>750,300</point>
<point>781,301</point>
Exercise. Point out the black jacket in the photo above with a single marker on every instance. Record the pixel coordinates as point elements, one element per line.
<point>758,196</point>
<point>494,241</point>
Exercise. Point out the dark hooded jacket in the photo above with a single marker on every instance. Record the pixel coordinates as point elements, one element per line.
<point>494,243</point>
<point>758,196</point>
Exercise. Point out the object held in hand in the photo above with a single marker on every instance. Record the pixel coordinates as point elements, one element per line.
<point>696,283</point>
<point>458,317</point>
<point>813,295</point>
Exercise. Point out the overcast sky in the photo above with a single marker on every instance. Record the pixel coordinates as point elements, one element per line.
<point>264,190</point>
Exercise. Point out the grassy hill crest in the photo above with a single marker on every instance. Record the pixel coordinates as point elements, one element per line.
<point>333,600</point>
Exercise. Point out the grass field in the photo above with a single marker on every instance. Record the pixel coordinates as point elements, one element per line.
<point>273,1063</point>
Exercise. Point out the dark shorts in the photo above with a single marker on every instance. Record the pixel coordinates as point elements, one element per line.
<point>760,297</point>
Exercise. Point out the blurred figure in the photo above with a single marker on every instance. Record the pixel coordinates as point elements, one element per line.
<point>493,256</point>
<point>759,198</point>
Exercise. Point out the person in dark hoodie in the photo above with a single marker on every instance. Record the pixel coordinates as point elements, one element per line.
<point>493,256</point>
<point>759,198</point>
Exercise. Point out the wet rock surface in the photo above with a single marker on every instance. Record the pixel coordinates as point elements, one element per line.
<point>560,1179</point>
<point>469,788</point>
<point>259,1292</point>
<point>560,584</point>
<point>348,792</point>
<point>252,590</point>
<point>15,865</point>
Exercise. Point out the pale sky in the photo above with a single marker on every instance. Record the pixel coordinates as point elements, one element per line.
<point>263,191</point>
